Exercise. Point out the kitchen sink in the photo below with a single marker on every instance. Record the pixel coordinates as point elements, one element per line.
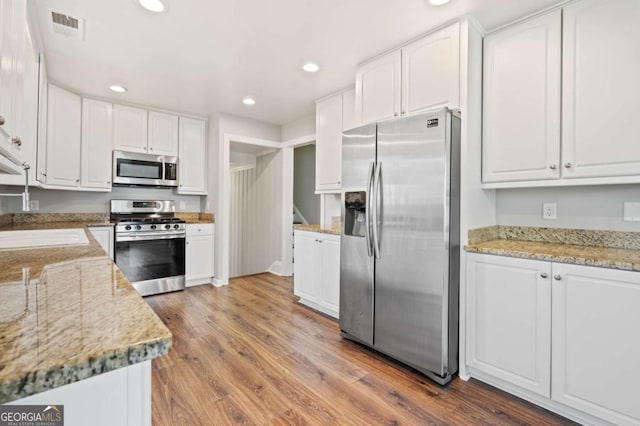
<point>42,238</point>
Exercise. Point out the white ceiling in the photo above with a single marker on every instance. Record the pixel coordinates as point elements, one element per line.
<point>204,56</point>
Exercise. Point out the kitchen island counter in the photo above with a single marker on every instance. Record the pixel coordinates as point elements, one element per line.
<point>67,313</point>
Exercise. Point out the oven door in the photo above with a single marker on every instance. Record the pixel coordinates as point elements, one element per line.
<point>153,263</point>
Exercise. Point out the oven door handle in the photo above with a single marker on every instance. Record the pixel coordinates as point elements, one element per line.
<point>164,170</point>
<point>148,236</point>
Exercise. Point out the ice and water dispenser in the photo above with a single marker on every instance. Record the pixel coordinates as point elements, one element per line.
<point>355,210</point>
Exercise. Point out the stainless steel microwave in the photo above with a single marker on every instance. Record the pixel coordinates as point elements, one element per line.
<point>134,169</point>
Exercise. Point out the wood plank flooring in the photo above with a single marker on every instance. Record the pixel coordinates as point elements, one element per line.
<point>249,354</point>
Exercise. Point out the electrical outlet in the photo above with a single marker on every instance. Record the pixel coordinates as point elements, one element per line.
<point>549,210</point>
<point>183,205</point>
<point>34,205</point>
<point>631,212</point>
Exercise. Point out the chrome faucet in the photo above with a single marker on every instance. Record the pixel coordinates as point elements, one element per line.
<point>25,194</point>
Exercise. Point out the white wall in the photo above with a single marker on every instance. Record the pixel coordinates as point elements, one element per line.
<point>302,127</point>
<point>256,216</point>
<point>588,207</point>
<point>304,183</point>
<point>55,201</point>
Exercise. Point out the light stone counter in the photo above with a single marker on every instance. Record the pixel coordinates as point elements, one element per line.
<point>67,314</point>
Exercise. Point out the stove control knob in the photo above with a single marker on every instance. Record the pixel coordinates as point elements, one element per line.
<point>176,226</point>
<point>153,227</point>
<point>138,227</point>
<point>167,227</point>
<point>128,227</point>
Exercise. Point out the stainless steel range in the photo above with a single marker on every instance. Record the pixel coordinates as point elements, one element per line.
<point>149,244</point>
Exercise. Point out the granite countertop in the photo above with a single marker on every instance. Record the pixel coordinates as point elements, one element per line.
<point>323,229</point>
<point>605,249</point>
<point>66,314</point>
<point>197,217</point>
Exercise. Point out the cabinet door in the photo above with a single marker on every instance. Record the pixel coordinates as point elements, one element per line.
<point>104,237</point>
<point>509,320</point>
<point>7,100</point>
<point>521,101</point>
<point>163,133</point>
<point>349,110</point>
<point>330,275</point>
<point>306,272</point>
<point>97,144</point>
<point>63,137</point>
<point>601,89</point>
<point>431,71</point>
<point>596,348</point>
<point>192,162</point>
<point>329,144</point>
<point>199,257</point>
<point>129,128</point>
<point>378,89</point>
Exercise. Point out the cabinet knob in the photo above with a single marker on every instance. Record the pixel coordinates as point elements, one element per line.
<point>77,180</point>
<point>557,277</point>
<point>109,182</point>
<point>543,274</point>
<point>567,165</point>
<point>553,167</point>
<point>44,174</point>
<point>17,141</point>
<point>1,120</point>
<point>404,112</point>
<point>150,149</point>
<point>395,114</point>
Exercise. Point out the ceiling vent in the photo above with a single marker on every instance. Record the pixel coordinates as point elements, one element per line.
<point>67,26</point>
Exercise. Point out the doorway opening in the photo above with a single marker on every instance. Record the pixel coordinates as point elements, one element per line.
<point>255,175</point>
<point>306,204</point>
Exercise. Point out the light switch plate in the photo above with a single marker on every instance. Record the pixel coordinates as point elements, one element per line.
<point>549,210</point>
<point>631,212</point>
<point>34,205</point>
<point>183,205</point>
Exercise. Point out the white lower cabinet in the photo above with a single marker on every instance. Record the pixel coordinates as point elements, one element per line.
<point>316,271</point>
<point>563,336</point>
<point>509,317</point>
<point>596,342</point>
<point>104,237</point>
<point>199,254</point>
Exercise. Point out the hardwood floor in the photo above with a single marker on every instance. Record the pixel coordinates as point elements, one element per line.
<point>248,353</point>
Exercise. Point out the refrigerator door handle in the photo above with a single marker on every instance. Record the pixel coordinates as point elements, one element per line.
<point>367,230</point>
<point>375,202</point>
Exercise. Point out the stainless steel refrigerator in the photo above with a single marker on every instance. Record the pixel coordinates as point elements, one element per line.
<point>399,265</point>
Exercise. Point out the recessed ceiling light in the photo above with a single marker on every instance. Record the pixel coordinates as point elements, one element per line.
<point>438,2</point>
<point>153,5</point>
<point>118,88</point>
<point>249,101</point>
<point>310,67</point>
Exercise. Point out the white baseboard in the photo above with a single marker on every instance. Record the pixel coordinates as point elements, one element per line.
<point>217,282</point>
<point>276,268</point>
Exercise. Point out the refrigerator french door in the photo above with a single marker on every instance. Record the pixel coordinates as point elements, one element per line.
<point>399,265</point>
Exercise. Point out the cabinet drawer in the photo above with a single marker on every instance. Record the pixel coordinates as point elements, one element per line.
<point>199,229</point>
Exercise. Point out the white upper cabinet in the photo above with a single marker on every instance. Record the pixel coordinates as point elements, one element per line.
<point>329,144</point>
<point>163,133</point>
<point>349,109</point>
<point>521,101</point>
<point>13,33</point>
<point>63,138</point>
<point>424,74</point>
<point>596,348</point>
<point>97,144</point>
<point>129,129</point>
<point>378,89</point>
<point>431,71</point>
<point>192,163</point>
<point>601,89</point>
